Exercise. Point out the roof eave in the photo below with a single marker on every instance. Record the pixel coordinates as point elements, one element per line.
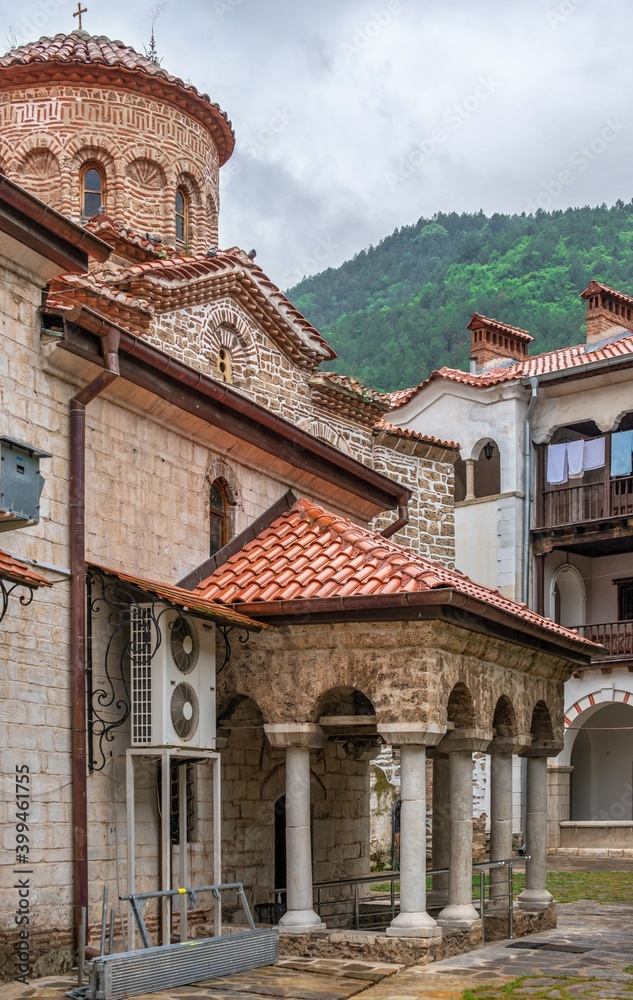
<point>444,603</point>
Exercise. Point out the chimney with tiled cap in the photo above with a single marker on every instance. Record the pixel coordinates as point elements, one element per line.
<point>494,342</point>
<point>609,312</point>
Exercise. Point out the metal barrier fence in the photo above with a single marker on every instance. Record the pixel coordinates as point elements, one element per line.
<point>491,906</point>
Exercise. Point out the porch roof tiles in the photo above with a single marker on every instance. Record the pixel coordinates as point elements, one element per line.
<point>354,562</point>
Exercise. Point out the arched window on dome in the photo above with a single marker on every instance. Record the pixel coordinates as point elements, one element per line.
<point>219,511</point>
<point>93,189</point>
<point>181,209</point>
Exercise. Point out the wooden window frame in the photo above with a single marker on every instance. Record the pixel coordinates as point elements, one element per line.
<point>184,215</point>
<point>219,517</point>
<point>96,166</point>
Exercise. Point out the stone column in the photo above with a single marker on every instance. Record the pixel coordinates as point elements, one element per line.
<point>535,895</point>
<point>441,828</point>
<point>501,750</point>
<point>470,479</point>
<point>413,920</point>
<point>298,739</point>
<point>460,746</point>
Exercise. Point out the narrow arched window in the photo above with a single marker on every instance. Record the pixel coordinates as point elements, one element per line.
<point>225,364</point>
<point>182,215</point>
<point>93,190</point>
<point>218,508</point>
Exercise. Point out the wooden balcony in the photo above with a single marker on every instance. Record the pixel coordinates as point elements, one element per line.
<point>582,504</point>
<point>616,637</point>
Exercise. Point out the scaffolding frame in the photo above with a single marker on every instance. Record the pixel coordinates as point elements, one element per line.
<point>166,756</point>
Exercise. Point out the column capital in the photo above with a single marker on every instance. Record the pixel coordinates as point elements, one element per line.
<point>509,744</point>
<point>426,734</point>
<point>294,734</point>
<point>543,748</point>
<point>466,740</point>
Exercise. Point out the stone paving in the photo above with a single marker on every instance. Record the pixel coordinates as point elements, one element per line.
<point>588,957</point>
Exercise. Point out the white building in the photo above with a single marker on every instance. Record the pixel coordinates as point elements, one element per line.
<point>564,547</point>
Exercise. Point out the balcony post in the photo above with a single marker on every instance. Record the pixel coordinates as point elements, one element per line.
<point>607,504</point>
<point>540,485</point>
<point>470,479</point>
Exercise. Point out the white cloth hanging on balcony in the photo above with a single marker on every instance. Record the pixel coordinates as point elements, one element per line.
<point>593,454</point>
<point>557,464</point>
<point>575,451</point>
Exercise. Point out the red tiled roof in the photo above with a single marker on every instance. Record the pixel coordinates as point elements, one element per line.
<point>133,246</point>
<point>384,427</point>
<point>15,569</point>
<point>540,364</point>
<point>310,553</point>
<point>187,600</point>
<point>118,63</point>
<point>178,282</point>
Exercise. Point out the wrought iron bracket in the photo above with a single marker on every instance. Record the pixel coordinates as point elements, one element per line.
<point>225,631</point>
<point>109,705</point>
<point>9,587</point>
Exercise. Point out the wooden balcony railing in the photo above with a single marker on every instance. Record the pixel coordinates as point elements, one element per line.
<point>616,637</point>
<point>577,504</point>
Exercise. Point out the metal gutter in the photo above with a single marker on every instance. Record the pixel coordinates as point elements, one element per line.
<point>51,221</point>
<point>220,405</point>
<point>442,602</point>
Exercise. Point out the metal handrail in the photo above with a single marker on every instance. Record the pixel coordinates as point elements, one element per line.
<point>394,876</point>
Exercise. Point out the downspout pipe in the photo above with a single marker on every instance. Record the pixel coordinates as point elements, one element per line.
<point>401,522</point>
<point>527,486</point>
<point>525,588</point>
<point>78,403</point>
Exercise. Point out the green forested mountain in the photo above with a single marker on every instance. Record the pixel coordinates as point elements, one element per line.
<point>398,310</point>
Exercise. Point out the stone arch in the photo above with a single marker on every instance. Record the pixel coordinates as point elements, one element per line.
<point>541,728</point>
<point>187,179</point>
<point>328,433</point>
<point>343,700</point>
<point>487,471</point>
<point>39,172</point>
<point>504,720</point>
<point>460,708</point>
<point>568,596</point>
<point>600,758</point>
<point>145,193</point>
<point>581,710</point>
<point>226,327</point>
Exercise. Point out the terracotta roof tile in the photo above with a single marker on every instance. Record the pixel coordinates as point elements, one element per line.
<point>18,571</point>
<point>354,562</point>
<point>120,65</point>
<point>186,599</point>
<point>384,427</point>
<point>540,364</point>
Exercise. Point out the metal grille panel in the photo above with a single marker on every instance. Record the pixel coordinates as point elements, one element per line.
<point>141,672</point>
<point>115,977</point>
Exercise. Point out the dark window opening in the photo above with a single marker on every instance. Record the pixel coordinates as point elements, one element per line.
<point>219,517</point>
<point>93,190</point>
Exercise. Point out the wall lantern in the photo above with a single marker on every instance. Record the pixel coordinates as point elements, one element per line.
<point>488,450</point>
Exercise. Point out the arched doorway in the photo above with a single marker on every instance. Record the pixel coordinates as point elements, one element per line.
<point>568,597</point>
<point>602,761</point>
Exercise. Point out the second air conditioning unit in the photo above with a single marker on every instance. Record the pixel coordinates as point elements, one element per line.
<point>172,660</point>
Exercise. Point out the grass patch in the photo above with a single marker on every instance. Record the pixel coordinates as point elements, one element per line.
<point>565,887</point>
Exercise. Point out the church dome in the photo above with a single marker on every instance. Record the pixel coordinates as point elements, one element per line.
<point>92,127</point>
<point>94,58</point>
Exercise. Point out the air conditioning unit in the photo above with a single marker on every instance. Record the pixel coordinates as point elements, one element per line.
<point>172,679</point>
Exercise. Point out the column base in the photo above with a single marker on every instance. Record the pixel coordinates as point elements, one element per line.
<point>458,915</point>
<point>417,925</point>
<point>535,900</point>
<point>300,922</point>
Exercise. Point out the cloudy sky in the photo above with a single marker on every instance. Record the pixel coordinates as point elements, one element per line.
<point>353,117</point>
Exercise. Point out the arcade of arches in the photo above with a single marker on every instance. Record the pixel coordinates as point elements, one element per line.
<point>299,750</point>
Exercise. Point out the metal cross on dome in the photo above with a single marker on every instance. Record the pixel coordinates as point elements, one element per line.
<point>80,10</point>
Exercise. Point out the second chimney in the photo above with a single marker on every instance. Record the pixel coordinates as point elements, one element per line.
<point>495,342</point>
<point>609,312</point>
